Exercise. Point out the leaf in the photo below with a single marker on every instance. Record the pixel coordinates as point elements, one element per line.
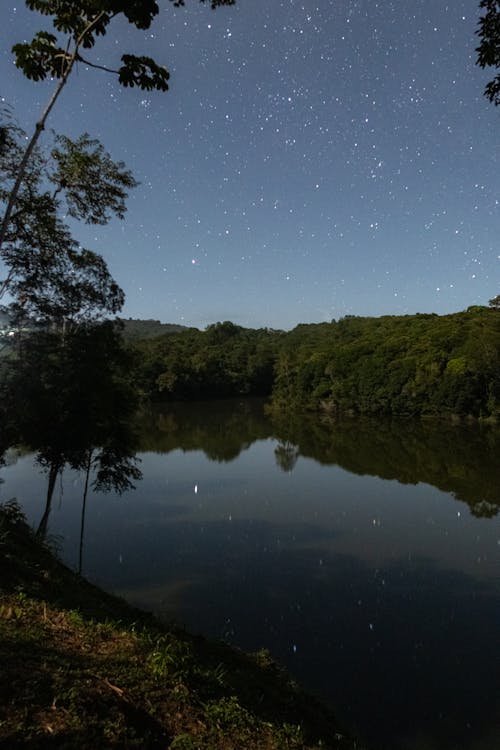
<point>40,57</point>
<point>144,73</point>
<point>95,186</point>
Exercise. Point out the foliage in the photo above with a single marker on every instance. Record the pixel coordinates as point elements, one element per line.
<point>69,399</point>
<point>64,394</point>
<point>225,360</point>
<point>81,23</point>
<point>404,365</point>
<point>4,133</point>
<point>61,381</point>
<point>489,48</point>
<point>95,187</point>
<point>134,329</point>
<point>49,276</point>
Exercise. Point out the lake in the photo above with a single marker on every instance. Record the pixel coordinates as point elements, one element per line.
<point>365,555</point>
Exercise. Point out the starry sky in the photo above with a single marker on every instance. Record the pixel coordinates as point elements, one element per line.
<point>312,159</point>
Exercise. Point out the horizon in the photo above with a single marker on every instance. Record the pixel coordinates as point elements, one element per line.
<point>311,323</point>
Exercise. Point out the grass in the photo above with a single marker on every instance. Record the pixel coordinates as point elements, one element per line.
<point>80,668</point>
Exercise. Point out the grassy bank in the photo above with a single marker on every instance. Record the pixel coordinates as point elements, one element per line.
<point>82,669</point>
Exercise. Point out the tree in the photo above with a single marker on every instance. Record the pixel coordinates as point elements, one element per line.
<point>71,401</point>
<point>77,26</point>
<point>489,48</point>
<point>495,302</point>
<point>49,276</point>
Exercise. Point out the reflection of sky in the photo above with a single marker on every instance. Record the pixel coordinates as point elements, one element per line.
<point>389,587</point>
<point>373,519</point>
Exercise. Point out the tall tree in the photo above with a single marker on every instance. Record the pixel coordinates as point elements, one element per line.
<point>47,274</point>
<point>55,55</point>
<point>489,47</point>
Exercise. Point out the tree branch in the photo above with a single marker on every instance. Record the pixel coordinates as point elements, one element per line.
<point>40,126</point>
<point>94,65</point>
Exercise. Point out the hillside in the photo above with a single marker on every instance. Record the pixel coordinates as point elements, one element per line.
<point>135,328</point>
<point>409,365</point>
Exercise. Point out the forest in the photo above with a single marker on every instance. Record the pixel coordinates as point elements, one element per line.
<point>412,365</point>
<point>83,669</point>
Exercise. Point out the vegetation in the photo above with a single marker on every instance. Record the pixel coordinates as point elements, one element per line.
<point>402,365</point>
<point>48,276</point>
<point>413,365</point>
<point>67,397</point>
<point>83,669</point>
<point>63,385</point>
<point>489,48</point>
<point>224,360</point>
<point>134,329</point>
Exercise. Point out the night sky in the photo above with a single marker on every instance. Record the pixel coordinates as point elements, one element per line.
<point>310,160</point>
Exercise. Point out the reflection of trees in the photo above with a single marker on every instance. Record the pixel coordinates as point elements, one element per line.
<point>221,429</point>
<point>458,459</point>
<point>114,469</point>
<point>66,398</point>
<point>286,455</point>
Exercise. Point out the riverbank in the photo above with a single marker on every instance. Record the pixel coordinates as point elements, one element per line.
<point>83,669</point>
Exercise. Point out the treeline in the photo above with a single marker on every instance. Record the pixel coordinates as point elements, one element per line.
<point>404,365</point>
<point>410,365</point>
<point>134,329</point>
<point>224,360</point>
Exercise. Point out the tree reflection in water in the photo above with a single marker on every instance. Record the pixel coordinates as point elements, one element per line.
<point>460,459</point>
<point>67,398</point>
<point>286,455</point>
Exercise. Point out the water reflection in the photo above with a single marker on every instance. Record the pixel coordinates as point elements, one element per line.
<point>402,647</point>
<point>460,459</point>
<point>64,395</point>
<point>221,429</point>
<point>286,454</point>
<point>457,459</point>
<point>333,545</point>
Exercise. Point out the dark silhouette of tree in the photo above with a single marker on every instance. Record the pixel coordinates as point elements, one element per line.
<point>50,277</point>
<point>489,48</point>
<point>495,302</point>
<point>69,399</point>
<point>3,139</point>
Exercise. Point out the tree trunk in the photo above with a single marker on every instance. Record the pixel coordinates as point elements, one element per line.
<point>40,126</point>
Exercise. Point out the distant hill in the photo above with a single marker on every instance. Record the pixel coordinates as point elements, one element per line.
<point>135,329</point>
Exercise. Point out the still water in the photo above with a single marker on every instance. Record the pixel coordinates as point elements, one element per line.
<point>364,555</point>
